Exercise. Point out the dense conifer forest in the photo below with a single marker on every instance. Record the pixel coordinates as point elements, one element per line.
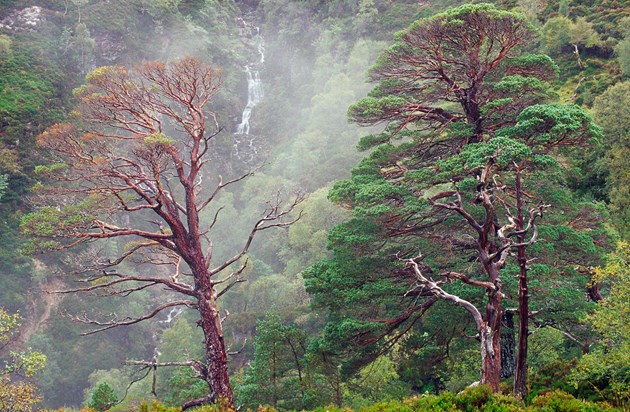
<point>409,205</point>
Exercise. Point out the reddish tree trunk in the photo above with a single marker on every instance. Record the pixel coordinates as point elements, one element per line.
<point>490,335</point>
<point>217,378</point>
<point>507,344</point>
<point>520,373</point>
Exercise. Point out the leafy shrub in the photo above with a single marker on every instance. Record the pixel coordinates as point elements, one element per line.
<point>393,406</point>
<point>503,403</point>
<point>103,398</point>
<point>559,401</point>
<point>473,398</point>
<point>443,402</point>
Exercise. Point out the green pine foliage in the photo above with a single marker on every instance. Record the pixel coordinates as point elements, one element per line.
<point>279,374</point>
<point>103,398</point>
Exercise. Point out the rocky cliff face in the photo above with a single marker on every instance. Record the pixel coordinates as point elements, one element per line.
<point>28,19</point>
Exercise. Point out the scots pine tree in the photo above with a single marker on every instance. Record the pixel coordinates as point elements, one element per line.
<point>132,166</point>
<point>447,207</point>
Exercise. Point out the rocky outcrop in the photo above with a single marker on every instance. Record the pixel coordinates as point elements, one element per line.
<point>28,19</point>
<point>111,47</point>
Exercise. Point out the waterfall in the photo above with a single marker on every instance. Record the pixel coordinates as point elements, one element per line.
<point>171,315</point>
<point>165,324</point>
<point>254,96</point>
<point>254,86</point>
<point>243,142</point>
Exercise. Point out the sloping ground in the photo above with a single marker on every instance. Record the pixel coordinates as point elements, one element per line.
<point>42,302</point>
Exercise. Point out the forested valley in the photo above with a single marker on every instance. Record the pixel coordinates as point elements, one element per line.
<point>331,205</point>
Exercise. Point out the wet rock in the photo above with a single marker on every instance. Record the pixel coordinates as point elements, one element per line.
<point>111,47</point>
<point>28,19</point>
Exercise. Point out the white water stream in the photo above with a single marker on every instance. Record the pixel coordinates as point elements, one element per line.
<point>254,86</point>
<point>255,95</point>
<point>166,323</point>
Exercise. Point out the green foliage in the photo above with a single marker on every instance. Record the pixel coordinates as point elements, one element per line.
<point>372,107</point>
<point>582,33</point>
<point>474,399</point>
<point>156,406</point>
<point>279,375</point>
<point>183,386</point>
<point>377,382</point>
<point>461,369</point>
<point>607,366</point>
<point>371,296</point>
<point>556,34</point>
<point>26,363</point>
<point>531,9</point>
<point>306,30</point>
<point>558,401</point>
<point>563,8</point>
<point>83,45</point>
<point>5,46</point>
<point>554,125</point>
<point>103,398</point>
<point>17,394</point>
<point>612,111</point>
<point>623,53</point>
<point>48,226</point>
<point>546,347</point>
<point>180,343</point>
<point>3,184</point>
<point>158,139</point>
<point>30,99</point>
<point>8,323</point>
<point>318,153</point>
<point>43,170</point>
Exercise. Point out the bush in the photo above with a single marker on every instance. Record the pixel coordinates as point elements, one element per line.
<point>473,398</point>
<point>103,398</point>
<point>559,401</point>
<point>443,402</point>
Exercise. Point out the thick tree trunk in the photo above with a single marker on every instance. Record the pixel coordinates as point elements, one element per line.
<point>520,374</point>
<point>217,376</point>
<point>490,335</point>
<point>215,371</point>
<point>507,344</point>
<point>468,100</point>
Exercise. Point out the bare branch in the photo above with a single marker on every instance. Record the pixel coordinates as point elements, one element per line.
<point>454,275</point>
<point>121,278</point>
<point>274,214</point>
<point>221,185</point>
<point>114,323</point>
<point>440,293</point>
<point>232,353</point>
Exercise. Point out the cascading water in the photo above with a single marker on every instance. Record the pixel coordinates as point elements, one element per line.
<point>254,96</point>
<point>166,323</point>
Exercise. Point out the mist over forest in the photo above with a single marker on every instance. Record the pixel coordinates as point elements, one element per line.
<point>362,204</point>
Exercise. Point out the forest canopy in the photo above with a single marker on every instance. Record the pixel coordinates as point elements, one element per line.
<point>467,224</point>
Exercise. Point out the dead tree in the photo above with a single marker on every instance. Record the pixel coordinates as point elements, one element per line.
<point>130,167</point>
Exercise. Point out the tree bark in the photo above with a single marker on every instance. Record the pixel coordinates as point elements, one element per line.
<point>489,329</point>
<point>217,376</point>
<point>507,344</point>
<point>520,374</point>
<point>490,334</point>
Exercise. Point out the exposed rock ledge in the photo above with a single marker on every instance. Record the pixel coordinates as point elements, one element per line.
<point>27,19</point>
